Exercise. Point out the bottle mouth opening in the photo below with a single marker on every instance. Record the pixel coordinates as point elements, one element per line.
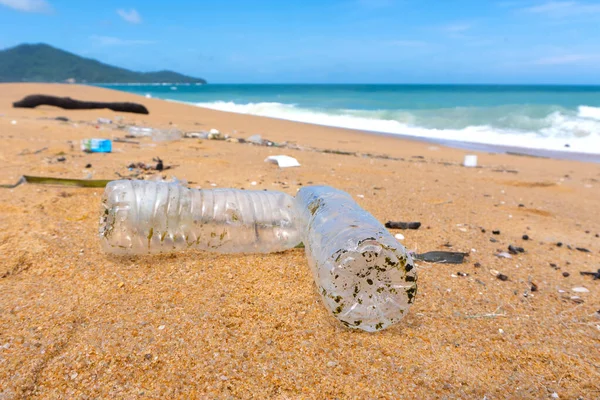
<point>371,287</point>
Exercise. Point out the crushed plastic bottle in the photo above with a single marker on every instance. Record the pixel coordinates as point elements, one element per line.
<point>141,217</point>
<point>364,275</point>
<point>158,135</point>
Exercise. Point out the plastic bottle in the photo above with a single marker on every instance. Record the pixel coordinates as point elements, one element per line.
<point>364,275</point>
<point>141,217</point>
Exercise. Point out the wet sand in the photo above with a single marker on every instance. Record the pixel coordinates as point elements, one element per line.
<point>77,323</point>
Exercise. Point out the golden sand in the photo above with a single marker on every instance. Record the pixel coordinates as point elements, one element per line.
<point>76,323</point>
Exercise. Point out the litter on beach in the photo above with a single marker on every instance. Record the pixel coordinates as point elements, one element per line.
<point>283,161</point>
<point>470,161</point>
<point>96,145</point>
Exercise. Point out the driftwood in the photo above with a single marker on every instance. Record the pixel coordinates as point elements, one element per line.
<point>70,104</point>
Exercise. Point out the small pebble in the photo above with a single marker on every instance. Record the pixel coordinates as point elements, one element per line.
<point>493,240</point>
<point>583,249</point>
<point>515,249</point>
<point>223,378</point>
<point>160,328</point>
<point>559,244</point>
<point>477,265</point>
<point>565,274</point>
<point>332,364</point>
<point>498,275</point>
<point>580,289</point>
<point>577,299</point>
<point>462,273</point>
<point>496,232</point>
<point>399,236</point>
<point>554,395</point>
<point>525,237</point>
<point>253,183</point>
<point>534,287</point>
<point>88,165</point>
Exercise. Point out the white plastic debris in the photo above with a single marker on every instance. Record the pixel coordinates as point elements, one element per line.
<point>256,139</point>
<point>283,161</point>
<point>470,161</point>
<point>214,134</point>
<point>580,289</point>
<point>503,255</point>
<point>196,135</point>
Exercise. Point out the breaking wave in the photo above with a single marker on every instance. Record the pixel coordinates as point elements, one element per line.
<point>529,126</point>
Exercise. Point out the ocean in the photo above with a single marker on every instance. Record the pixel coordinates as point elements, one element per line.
<point>555,118</point>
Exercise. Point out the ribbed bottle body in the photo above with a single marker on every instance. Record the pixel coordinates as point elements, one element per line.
<point>141,217</point>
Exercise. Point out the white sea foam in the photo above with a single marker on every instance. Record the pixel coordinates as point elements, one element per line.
<point>579,130</point>
<point>589,112</point>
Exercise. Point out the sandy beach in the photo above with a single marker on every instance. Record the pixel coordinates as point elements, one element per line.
<point>77,323</point>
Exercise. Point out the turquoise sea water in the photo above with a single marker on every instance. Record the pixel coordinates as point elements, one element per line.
<point>563,118</point>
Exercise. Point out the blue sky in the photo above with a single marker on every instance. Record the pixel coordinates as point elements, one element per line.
<point>324,41</point>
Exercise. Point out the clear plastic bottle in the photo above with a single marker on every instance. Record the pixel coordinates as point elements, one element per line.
<point>363,274</point>
<point>141,217</point>
<point>365,277</point>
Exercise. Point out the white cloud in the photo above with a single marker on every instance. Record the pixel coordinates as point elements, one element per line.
<point>567,59</point>
<point>563,9</point>
<point>131,16</point>
<point>33,6</point>
<point>115,41</point>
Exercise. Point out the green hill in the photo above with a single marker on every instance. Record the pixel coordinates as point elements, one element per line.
<point>44,63</point>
